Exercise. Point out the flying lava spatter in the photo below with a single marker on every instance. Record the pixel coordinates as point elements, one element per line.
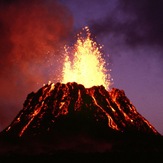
<point>87,66</point>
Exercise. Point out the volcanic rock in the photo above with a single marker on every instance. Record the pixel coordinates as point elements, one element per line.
<point>75,107</point>
<point>69,117</point>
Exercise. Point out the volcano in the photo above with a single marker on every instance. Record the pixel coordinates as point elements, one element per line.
<point>74,106</point>
<point>70,117</point>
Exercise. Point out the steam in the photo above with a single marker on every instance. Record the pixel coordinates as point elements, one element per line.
<point>32,32</point>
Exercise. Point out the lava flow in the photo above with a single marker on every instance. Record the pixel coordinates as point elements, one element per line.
<point>76,105</point>
<point>87,66</point>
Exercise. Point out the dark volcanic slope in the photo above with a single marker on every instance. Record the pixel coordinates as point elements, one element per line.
<point>75,107</point>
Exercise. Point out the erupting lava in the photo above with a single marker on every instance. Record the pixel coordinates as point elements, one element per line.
<point>87,66</point>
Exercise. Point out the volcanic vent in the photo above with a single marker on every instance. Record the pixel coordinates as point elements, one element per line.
<point>80,113</point>
<point>79,106</point>
<point>80,101</point>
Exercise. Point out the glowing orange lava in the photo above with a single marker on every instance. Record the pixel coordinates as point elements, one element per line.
<point>87,66</point>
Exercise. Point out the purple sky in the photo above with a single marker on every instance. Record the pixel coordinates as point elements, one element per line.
<point>131,32</point>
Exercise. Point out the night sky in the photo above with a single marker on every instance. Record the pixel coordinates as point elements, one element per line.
<point>34,32</point>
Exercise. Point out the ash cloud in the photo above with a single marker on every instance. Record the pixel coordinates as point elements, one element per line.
<point>138,22</point>
<point>32,32</point>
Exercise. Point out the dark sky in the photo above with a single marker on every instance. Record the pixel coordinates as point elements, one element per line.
<point>34,32</point>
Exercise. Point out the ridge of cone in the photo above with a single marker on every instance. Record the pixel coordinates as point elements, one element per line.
<point>79,107</point>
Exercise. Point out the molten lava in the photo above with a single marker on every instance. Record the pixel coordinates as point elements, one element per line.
<point>87,66</point>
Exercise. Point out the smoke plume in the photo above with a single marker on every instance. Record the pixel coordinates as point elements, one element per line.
<point>137,22</point>
<point>32,31</point>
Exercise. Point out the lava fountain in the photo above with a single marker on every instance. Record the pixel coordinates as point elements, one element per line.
<point>87,66</point>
